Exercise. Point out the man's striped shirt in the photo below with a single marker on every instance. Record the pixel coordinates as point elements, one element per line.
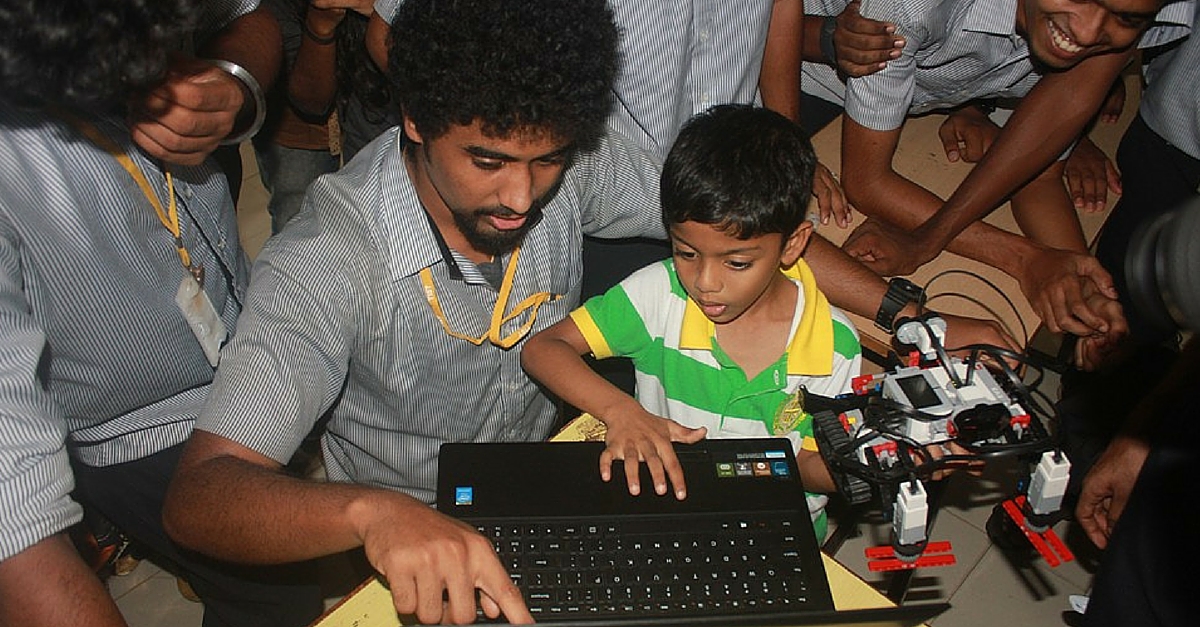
<point>955,51</point>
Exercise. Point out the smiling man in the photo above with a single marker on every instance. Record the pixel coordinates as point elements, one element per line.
<point>396,302</point>
<point>1058,57</point>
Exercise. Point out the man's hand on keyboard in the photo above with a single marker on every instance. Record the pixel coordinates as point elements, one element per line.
<point>636,436</point>
<point>434,564</point>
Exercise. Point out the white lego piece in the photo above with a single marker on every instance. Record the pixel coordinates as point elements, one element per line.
<point>914,333</point>
<point>911,513</point>
<point>922,431</point>
<point>1049,483</point>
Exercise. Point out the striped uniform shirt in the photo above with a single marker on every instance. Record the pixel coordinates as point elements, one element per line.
<point>678,58</point>
<point>1171,105</point>
<point>683,374</point>
<point>956,51</point>
<point>337,320</point>
<point>95,356</point>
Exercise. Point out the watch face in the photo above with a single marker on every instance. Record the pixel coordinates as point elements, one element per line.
<point>907,290</point>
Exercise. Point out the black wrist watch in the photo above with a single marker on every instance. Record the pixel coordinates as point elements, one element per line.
<point>828,50</point>
<point>900,293</point>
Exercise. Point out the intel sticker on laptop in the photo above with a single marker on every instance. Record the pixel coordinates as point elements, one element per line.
<point>464,495</point>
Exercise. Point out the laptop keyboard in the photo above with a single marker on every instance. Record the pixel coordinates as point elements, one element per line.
<point>573,569</point>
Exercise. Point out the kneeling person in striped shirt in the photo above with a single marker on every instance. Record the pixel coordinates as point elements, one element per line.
<point>724,332</point>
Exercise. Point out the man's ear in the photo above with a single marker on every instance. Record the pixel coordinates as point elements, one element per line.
<point>410,131</point>
<point>794,245</point>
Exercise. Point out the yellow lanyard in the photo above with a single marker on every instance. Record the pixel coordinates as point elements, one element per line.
<point>169,217</point>
<point>499,318</point>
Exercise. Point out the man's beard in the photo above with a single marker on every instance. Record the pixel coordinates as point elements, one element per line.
<point>489,240</point>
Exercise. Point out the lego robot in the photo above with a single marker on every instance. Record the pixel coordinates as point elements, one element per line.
<point>877,442</point>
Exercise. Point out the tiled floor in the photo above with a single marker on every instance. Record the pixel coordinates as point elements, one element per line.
<point>983,588</point>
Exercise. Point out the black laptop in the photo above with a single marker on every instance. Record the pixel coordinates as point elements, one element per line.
<point>739,550</point>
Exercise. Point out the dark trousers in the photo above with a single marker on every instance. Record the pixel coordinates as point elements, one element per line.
<point>131,496</point>
<point>1156,177</point>
<point>817,113</point>
<point>1147,573</point>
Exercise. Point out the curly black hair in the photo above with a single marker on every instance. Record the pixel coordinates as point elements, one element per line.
<point>513,65</point>
<point>88,54</point>
<point>745,169</point>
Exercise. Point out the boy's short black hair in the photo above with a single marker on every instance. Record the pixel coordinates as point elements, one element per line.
<point>89,55</point>
<point>745,169</point>
<point>514,65</point>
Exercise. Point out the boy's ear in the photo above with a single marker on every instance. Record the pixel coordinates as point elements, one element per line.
<point>794,245</point>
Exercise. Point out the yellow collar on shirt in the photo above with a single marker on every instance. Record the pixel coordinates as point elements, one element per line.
<point>811,350</point>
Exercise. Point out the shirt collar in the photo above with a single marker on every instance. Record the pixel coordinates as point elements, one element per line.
<point>407,232</point>
<point>410,246</point>
<point>1174,21</point>
<point>810,352</point>
<point>993,17</point>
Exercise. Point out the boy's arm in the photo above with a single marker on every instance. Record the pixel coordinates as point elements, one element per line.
<point>1040,129</point>
<point>553,357</point>
<point>814,473</point>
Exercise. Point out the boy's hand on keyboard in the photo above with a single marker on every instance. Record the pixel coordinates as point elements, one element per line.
<point>434,565</point>
<point>638,436</point>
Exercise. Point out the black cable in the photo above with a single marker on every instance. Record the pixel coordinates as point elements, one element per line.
<point>995,288</point>
<point>942,357</point>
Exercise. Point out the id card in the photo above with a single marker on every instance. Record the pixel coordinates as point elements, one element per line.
<point>202,317</point>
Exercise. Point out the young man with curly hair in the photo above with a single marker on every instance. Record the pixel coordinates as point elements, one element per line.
<point>101,372</point>
<point>395,303</point>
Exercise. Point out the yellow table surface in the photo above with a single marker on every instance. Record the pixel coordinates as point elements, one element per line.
<point>370,605</point>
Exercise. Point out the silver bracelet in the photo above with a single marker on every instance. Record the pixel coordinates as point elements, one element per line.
<point>260,100</point>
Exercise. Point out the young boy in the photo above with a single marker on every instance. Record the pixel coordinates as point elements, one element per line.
<point>719,335</point>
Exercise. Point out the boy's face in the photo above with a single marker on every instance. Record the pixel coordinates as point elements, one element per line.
<point>1061,33</point>
<point>493,188</point>
<point>727,276</point>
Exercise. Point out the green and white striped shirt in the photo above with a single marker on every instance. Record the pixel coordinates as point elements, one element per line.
<point>683,374</point>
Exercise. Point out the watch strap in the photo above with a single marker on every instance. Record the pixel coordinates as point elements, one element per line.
<point>899,294</point>
<point>828,50</point>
